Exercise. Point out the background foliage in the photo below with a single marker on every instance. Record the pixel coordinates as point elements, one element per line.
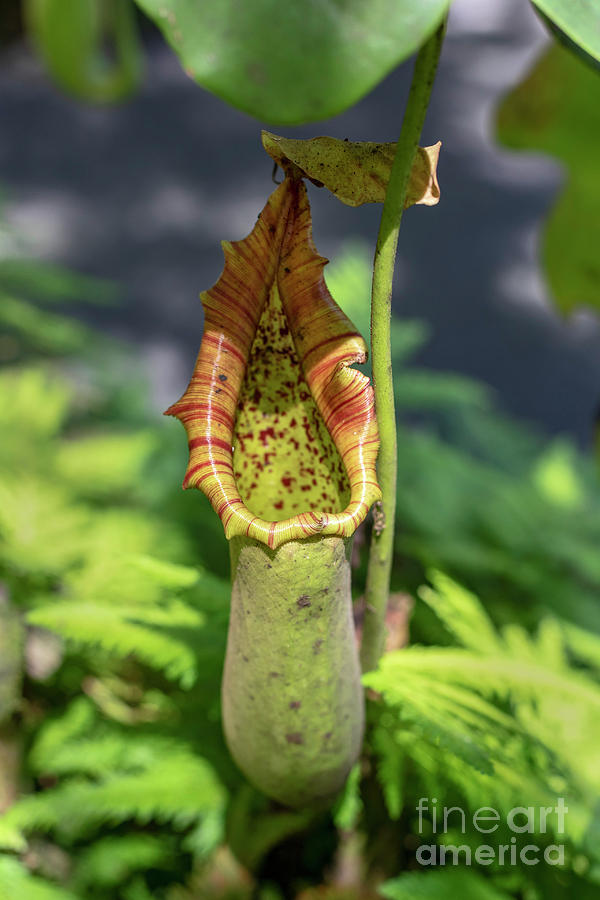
<point>309,64</point>
<point>555,110</point>
<point>126,788</point>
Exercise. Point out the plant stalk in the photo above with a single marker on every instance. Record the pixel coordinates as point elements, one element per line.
<point>382,540</point>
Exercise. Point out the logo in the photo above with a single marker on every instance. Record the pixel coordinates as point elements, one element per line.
<point>521,820</point>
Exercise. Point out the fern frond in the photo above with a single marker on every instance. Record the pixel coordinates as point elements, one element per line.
<point>142,579</point>
<point>160,636</point>
<point>61,731</point>
<point>447,884</point>
<point>17,883</point>
<point>583,645</point>
<point>167,574</point>
<point>100,465</point>
<point>11,838</point>
<point>138,890</point>
<point>42,531</point>
<point>121,532</point>
<point>43,331</point>
<point>349,806</point>
<point>81,743</point>
<point>111,861</point>
<point>390,756</point>
<point>179,789</point>
<point>461,612</point>
<point>508,705</point>
<point>21,413</point>
<point>439,705</point>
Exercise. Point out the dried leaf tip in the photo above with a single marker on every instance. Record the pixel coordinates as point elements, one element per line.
<point>356,172</point>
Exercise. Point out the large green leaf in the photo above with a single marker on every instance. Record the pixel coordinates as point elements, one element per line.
<point>288,63</point>
<point>578,20</point>
<point>71,37</point>
<point>556,109</point>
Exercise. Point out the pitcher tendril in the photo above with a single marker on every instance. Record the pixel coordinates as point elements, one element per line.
<point>283,441</point>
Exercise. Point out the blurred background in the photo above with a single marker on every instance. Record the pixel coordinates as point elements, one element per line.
<point>141,194</point>
<point>115,782</point>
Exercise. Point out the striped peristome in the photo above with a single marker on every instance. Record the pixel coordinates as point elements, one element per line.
<point>281,429</point>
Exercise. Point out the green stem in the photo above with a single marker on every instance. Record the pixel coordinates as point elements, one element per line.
<point>382,542</point>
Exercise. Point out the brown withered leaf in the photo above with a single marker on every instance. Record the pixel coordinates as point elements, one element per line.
<point>356,172</point>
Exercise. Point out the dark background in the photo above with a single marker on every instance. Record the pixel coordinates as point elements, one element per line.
<point>142,194</point>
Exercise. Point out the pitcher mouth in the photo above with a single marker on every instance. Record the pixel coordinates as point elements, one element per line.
<point>281,429</point>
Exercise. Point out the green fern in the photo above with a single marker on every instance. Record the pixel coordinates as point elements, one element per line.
<point>24,417</point>
<point>447,884</point>
<point>98,465</point>
<point>111,861</point>
<point>391,757</point>
<point>497,525</point>
<point>160,636</point>
<point>503,717</point>
<point>97,546</point>
<point>42,331</point>
<point>179,789</point>
<point>17,883</point>
<point>82,742</point>
<point>349,806</point>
